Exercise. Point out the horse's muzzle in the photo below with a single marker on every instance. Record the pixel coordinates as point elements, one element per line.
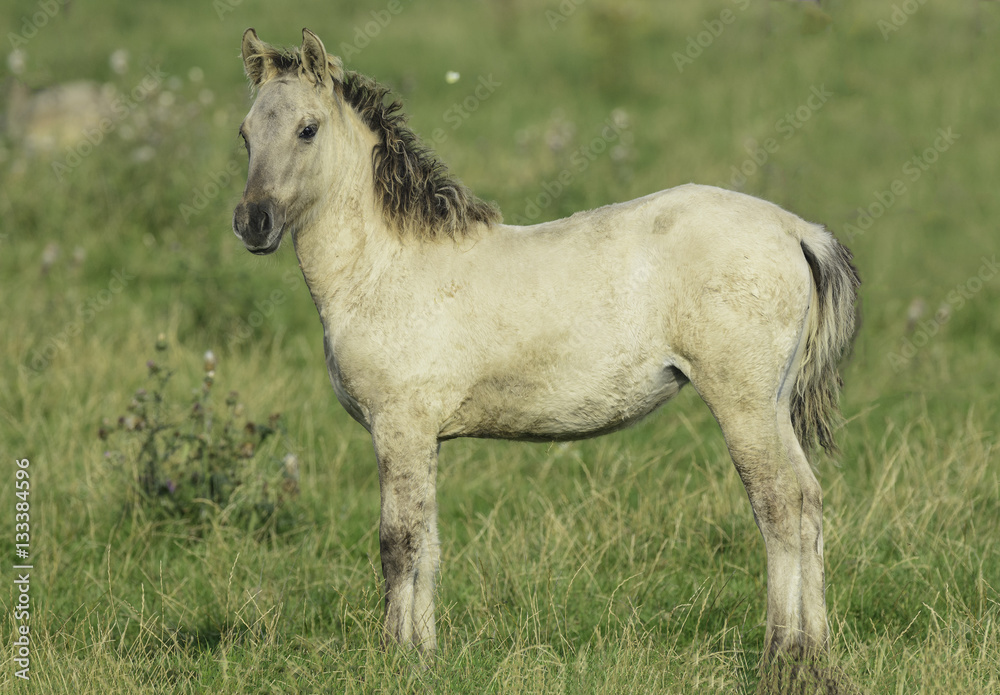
<point>259,225</point>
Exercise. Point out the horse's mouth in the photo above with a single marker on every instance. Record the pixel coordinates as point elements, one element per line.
<point>270,243</point>
<point>265,250</point>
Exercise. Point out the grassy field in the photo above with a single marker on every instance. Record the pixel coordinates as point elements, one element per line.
<point>629,563</point>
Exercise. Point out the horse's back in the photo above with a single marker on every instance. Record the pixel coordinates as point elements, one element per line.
<point>668,253</point>
<point>694,223</point>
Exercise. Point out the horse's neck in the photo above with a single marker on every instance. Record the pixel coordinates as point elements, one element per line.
<point>346,245</point>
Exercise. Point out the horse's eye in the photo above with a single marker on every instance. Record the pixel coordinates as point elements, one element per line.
<point>308,133</point>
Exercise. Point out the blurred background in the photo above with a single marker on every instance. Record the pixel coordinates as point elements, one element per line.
<point>120,166</point>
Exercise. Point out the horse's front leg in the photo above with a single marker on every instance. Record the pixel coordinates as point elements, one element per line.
<point>408,540</point>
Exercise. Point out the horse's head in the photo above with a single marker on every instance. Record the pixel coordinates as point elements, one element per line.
<point>287,135</point>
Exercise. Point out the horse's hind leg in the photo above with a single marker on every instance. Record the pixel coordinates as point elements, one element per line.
<point>751,405</point>
<point>408,540</point>
<point>796,646</point>
<point>761,458</point>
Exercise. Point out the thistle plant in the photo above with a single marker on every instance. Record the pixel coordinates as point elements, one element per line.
<point>201,461</point>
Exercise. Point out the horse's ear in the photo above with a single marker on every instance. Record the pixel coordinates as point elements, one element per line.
<point>318,66</point>
<point>256,62</point>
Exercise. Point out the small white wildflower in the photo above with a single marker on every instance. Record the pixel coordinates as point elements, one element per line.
<point>619,153</point>
<point>210,361</point>
<point>291,465</point>
<point>119,61</point>
<point>17,61</point>
<point>620,118</point>
<point>915,312</point>
<point>50,254</point>
<point>451,77</point>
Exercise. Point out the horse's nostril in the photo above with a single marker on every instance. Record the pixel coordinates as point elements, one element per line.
<point>260,219</point>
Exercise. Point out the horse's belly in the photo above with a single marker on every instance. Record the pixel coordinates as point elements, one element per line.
<point>519,407</point>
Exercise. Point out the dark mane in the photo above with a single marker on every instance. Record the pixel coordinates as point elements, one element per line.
<point>419,196</point>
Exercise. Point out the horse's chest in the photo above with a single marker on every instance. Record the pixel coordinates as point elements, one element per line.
<point>340,385</point>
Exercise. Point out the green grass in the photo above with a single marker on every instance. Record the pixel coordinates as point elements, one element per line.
<point>629,563</point>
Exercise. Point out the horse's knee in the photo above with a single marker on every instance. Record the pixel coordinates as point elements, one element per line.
<point>398,550</point>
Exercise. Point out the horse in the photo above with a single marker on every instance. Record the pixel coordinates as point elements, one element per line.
<point>439,321</point>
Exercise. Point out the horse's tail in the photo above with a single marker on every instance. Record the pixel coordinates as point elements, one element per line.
<point>830,331</point>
